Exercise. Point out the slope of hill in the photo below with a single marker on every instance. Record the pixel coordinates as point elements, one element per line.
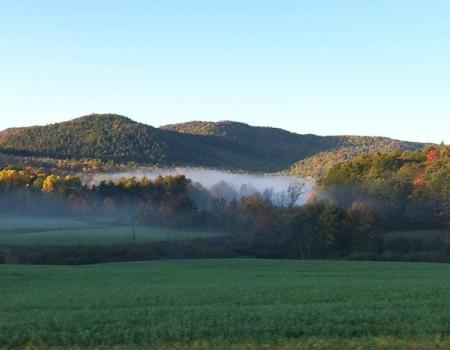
<point>227,144</point>
<point>351,147</point>
<point>314,154</point>
<point>411,187</point>
<point>92,136</point>
<point>276,146</point>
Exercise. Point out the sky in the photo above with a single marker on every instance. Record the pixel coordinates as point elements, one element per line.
<point>326,67</point>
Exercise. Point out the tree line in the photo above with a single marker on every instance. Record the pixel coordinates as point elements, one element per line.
<point>350,213</point>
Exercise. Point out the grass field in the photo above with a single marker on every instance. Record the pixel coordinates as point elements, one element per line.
<point>51,231</point>
<point>226,304</point>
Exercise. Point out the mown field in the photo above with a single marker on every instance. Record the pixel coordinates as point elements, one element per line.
<point>52,231</point>
<point>226,304</point>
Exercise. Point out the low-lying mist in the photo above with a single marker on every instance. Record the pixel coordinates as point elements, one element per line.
<point>220,184</point>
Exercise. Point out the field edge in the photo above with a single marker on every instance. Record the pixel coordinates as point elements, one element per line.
<point>367,343</point>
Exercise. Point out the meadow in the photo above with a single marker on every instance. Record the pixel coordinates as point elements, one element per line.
<point>226,304</point>
<point>30,231</point>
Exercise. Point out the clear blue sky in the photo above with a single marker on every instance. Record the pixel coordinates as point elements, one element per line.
<point>310,66</point>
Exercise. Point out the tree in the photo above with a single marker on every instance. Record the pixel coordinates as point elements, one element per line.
<point>52,183</point>
<point>294,192</point>
<point>359,220</point>
<point>331,227</point>
<point>303,239</point>
<point>218,207</point>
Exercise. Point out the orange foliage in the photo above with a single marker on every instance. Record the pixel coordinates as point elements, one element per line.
<point>418,181</point>
<point>432,154</point>
<point>310,195</point>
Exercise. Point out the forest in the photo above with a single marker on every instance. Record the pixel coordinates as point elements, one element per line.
<point>225,145</point>
<point>350,214</point>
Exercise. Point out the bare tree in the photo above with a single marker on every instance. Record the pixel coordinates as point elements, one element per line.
<point>281,199</point>
<point>294,192</point>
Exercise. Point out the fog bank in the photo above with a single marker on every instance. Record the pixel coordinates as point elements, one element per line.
<point>219,183</point>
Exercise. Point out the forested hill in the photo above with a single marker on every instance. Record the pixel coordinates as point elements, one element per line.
<point>319,164</point>
<point>406,188</point>
<point>314,154</point>
<point>227,145</point>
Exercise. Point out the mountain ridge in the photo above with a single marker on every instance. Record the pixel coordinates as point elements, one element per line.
<point>225,144</point>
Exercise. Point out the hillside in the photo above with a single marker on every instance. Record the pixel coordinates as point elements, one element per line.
<point>410,187</point>
<point>114,137</point>
<point>352,146</point>
<point>314,154</point>
<point>226,144</point>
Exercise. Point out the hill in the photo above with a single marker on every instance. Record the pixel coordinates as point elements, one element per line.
<point>227,144</point>
<point>114,137</point>
<point>314,154</point>
<point>350,147</point>
<point>405,188</point>
<point>92,136</point>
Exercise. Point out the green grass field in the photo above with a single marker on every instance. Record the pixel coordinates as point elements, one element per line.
<point>51,231</point>
<point>226,304</point>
